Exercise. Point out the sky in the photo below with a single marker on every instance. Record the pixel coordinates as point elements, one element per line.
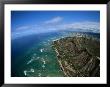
<point>33,22</point>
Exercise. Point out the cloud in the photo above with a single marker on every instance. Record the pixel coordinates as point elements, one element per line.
<point>43,28</point>
<point>22,27</point>
<point>85,26</point>
<point>54,20</point>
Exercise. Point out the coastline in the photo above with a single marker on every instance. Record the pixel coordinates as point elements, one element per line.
<point>83,60</point>
<point>61,66</point>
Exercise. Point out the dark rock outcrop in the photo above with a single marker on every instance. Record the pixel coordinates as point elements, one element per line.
<point>78,56</point>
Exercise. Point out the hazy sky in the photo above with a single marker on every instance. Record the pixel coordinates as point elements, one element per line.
<point>31,22</point>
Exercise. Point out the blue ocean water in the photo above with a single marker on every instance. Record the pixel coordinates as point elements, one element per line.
<point>33,55</point>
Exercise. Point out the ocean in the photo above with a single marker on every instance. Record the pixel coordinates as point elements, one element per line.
<point>33,55</point>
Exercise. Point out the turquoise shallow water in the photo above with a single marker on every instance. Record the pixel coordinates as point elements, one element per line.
<point>33,56</point>
<point>42,60</point>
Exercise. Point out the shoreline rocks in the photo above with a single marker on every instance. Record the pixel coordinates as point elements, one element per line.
<point>78,56</point>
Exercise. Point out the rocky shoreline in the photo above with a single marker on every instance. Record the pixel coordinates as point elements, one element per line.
<point>78,56</point>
